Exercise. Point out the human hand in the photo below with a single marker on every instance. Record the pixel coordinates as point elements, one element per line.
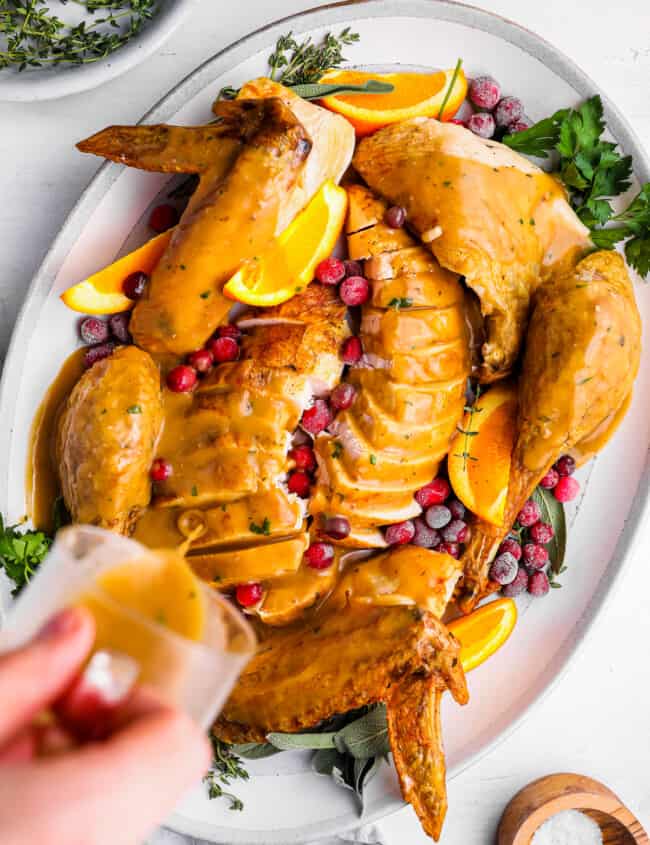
<point>111,792</point>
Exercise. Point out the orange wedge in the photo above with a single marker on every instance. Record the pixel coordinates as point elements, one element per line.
<point>484,631</point>
<point>413,95</point>
<point>289,264</point>
<point>480,453</point>
<point>101,293</point>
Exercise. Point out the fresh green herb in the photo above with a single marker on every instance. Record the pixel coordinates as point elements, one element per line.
<point>226,767</point>
<point>134,409</point>
<point>398,302</point>
<point>459,65</point>
<point>373,460</point>
<point>337,449</point>
<point>469,432</point>
<point>21,552</point>
<point>297,62</point>
<point>553,513</point>
<point>264,528</point>
<point>317,90</point>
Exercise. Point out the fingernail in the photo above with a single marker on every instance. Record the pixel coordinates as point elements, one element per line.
<point>62,623</point>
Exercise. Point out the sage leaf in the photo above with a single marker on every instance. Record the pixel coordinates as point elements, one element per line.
<point>364,772</point>
<point>316,90</point>
<point>367,737</point>
<point>553,513</point>
<point>255,750</point>
<point>324,760</point>
<point>301,742</point>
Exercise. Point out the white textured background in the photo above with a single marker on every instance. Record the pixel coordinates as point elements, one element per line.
<point>597,720</point>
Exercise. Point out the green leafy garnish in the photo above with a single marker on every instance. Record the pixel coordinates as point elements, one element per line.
<point>297,62</point>
<point>337,449</point>
<point>317,90</point>
<point>134,409</point>
<point>454,77</point>
<point>398,302</point>
<point>21,552</point>
<point>264,528</point>
<point>226,767</point>
<point>553,513</point>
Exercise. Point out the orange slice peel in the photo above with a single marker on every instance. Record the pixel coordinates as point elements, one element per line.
<point>484,631</point>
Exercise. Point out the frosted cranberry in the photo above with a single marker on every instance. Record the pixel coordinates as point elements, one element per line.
<point>452,549</point>
<point>566,489</point>
<point>541,532</point>
<point>512,547</point>
<point>336,527</point>
<point>317,418</point>
<point>160,470</point>
<point>426,537</point>
<point>229,330</point>
<point>248,594</point>
<point>484,92</point>
<point>535,556</point>
<point>182,379</point>
<point>97,353</point>
<point>354,290</point>
<point>550,479</point>
<point>456,532</point>
<point>119,324</point>
<point>352,268</point>
<point>400,533</point>
<point>331,271</point>
<point>565,465</point>
<point>481,124</point>
<point>529,514</point>
<point>163,217</point>
<point>508,111</point>
<point>320,555</point>
<point>518,126</point>
<point>458,122</point>
<point>395,216</point>
<point>538,584</point>
<point>504,569</point>
<point>433,493</point>
<point>343,396</point>
<point>299,483</point>
<point>134,284</point>
<point>351,350</point>
<point>224,349</point>
<point>437,516</point>
<point>201,360</point>
<point>303,457</point>
<point>518,586</point>
<point>457,508</point>
<point>93,330</point>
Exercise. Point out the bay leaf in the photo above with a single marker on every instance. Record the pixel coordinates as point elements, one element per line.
<point>367,737</point>
<point>553,513</point>
<point>316,90</point>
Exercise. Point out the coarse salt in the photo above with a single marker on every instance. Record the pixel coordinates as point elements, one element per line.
<point>570,827</point>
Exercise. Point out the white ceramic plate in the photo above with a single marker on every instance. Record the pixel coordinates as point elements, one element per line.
<point>285,802</point>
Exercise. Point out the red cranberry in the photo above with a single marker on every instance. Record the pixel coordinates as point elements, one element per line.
<point>437,516</point>
<point>201,360</point>
<point>504,569</point>
<point>457,508</point>
<point>224,349</point>
<point>433,493</point>
<point>484,92</point>
<point>97,353</point>
<point>565,465</point>
<point>508,111</point>
<point>343,396</point>
<point>351,350</point>
<point>352,268</point>
<point>93,330</point>
<point>566,489</point>
<point>481,124</point>
<point>395,216</point>
<point>248,594</point>
<point>331,271</point>
<point>163,217</point>
<point>452,549</point>
<point>303,457</point>
<point>400,533</point>
<point>535,556</point>
<point>134,284</point>
<point>458,122</point>
<point>119,324</point>
<point>354,290</point>
<point>160,470</point>
<point>519,126</point>
<point>529,514</point>
<point>518,586</point>
<point>541,532</point>
<point>299,483</point>
<point>456,532</point>
<point>427,538</point>
<point>317,418</point>
<point>538,584</point>
<point>336,527</point>
<point>229,330</point>
<point>550,479</point>
<point>320,555</point>
<point>512,547</point>
<point>182,379</point>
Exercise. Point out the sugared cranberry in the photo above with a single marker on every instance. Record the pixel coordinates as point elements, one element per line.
<point>484,92</point>
<point>351,350</point>
<point>481,124</point>
<point>566,489</point>
<point>550,479</point>
<point>433,493</point>
<point>395,216</point>
<point>535,556</point>
<point>229,330</point>
<point>354,290</point>
<point>119,324</point>
<point>529,514</point>
<point>400,533</point>
<point>93,330</point>
<point>299,483</point>
<point>201,360</point>
<point>330,271</point>
<point>538,584</point>
<point>457,508</point>
<point>426,537</point>
<point>504,569</point>
<point>437,516</point>
<point>541,532</point>
<point>248,594</point>
<point>134,284</point>
<point>163,217</point>
<point>336,527</point>
<point>508,111</point>
<point>343,396</point>
<point>565,465</point>
<point>160,470</point>
<point>452,549</point>
<point>456,532</point>
<point>511,546</point>
<point>303,457</point>
<point>182,379</point>
<point>352,268</point>
<point>97,353</point>
<point>320,555</point>
<point>519,126</point>
<point>224,349</point>
<point>518,586</point>
<point>317,418</point>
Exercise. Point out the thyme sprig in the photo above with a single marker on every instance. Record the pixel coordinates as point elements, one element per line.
<point>469,432</point>
<point>226,767</point>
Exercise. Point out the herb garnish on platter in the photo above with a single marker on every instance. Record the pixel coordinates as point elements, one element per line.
<point>21,553</point>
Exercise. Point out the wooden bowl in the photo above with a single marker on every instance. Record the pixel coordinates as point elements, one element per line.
<point>549,795</point>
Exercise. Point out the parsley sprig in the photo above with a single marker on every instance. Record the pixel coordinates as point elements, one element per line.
<point>21,552</point>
